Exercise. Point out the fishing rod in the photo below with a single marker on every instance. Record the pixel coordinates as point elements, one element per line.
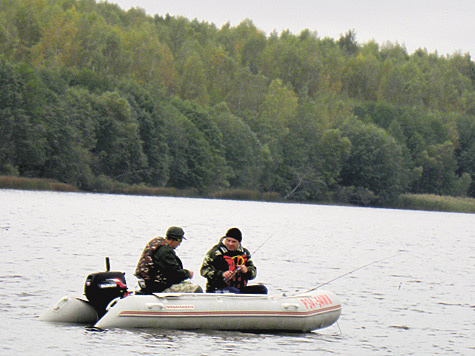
<point>262,244</point>
<point>347,273</point>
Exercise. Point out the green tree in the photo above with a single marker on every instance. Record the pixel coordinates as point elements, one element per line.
<point>297,61</point>
<point>272,127</point>
<point>118,147</point>
<point>403,85</point>
<point>220,69</point>
<point>151,62</point>
<point>252,48</point>
<point>7,39</point>
<point>246,93</point>
<point>242,150</point>
<point>193,81</point>
<point>438,170</point>
<point>191,165</point>
<point>22,131</point>
<point>276,111</point>
<point>149,112</point>
<point>28,31</point>
<point>66,161</point>
<point>205,123</point>
<point>465,152</point>
<point>348,43</point>
<point>361,76</point>
<point>335,151</point>
<point>295,159</point>
<point>375,163</point>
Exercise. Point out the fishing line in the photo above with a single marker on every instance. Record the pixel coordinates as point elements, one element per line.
<point>347,273</point>
<point>262,244</point>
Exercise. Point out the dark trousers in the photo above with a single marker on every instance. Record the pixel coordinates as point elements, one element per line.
<point>254,289</point>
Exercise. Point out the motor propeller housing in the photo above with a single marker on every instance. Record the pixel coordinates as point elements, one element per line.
<point>103,287</point>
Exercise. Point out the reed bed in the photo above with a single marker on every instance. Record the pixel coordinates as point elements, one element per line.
<point>245,194</point>
<point>152,191</point>
<point>12,182</point>
<point>434,202</point>
<point>429,202</point>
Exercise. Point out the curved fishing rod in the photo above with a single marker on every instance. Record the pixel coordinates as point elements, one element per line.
<point>347,273</point>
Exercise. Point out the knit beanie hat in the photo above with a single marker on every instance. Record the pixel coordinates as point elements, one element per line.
<point>234,233</point>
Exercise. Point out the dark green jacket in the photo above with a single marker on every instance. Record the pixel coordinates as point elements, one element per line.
<point>168,268</point>
<point>219,260</point>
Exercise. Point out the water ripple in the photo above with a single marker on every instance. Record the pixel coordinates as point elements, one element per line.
<point>423,289</point>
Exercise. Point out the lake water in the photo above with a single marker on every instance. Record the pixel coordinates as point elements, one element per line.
<point>419,300</point>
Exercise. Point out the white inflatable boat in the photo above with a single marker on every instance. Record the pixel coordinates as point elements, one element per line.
<point>299,313</point>
<point>109,305</point>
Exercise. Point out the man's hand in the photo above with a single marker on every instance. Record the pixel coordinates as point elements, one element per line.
<point>227,275</point>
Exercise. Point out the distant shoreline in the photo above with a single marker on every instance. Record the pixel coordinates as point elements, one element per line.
<point>427,202</point>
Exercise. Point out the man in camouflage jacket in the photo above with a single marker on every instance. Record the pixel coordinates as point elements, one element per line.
<point>160,269</point>
<point>228,266</point>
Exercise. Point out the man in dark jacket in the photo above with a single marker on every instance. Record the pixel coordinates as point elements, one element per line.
<point>228,266</point>
<point>160,269</point>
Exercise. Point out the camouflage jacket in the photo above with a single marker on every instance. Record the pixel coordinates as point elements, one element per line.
<point>219,260</point>
<point>159,266</point>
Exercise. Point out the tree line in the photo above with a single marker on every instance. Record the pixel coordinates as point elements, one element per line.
<point>92,95</point>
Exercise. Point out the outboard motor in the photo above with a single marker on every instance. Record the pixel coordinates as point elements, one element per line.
<point>103,287</point>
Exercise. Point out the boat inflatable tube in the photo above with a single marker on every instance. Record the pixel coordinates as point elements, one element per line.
<point>244,312</point>
<point>70,309</point>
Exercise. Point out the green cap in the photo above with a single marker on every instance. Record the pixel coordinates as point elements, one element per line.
<point>175,233</point>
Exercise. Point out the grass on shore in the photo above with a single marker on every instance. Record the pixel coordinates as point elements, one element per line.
<point>106,185</point>
<point>244,194</point>
<point>11,182</point>
<point>429,202</point>
<point>434,202</point>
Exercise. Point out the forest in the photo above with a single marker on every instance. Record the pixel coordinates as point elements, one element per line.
<point>95,96</point>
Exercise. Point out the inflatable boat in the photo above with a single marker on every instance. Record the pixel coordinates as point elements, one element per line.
<point>108,305</point>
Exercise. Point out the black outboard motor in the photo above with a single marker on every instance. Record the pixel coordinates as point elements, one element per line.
<point>103,287</point>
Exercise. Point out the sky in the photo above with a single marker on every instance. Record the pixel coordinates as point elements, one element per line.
<point>445,26</point>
